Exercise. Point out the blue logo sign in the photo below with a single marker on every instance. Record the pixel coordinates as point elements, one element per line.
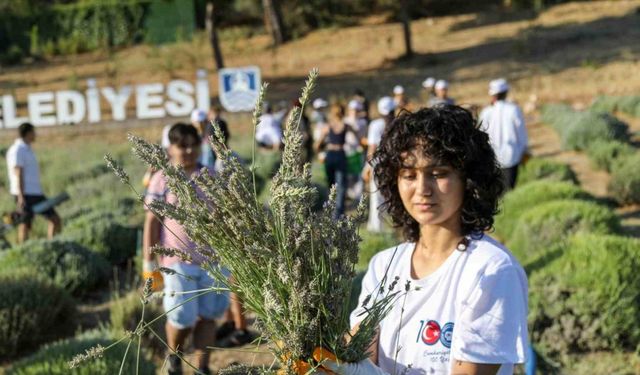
<point>447,335</point>
<point>239,88</point>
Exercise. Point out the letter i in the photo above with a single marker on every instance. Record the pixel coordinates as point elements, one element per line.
<point>93,101</point>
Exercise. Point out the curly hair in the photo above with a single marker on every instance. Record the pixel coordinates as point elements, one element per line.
<point>449,135</point>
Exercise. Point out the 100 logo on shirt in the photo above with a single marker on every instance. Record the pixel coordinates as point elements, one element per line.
<point>430,333</point>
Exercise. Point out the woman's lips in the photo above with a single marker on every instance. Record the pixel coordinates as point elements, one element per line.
<point>425,206</point>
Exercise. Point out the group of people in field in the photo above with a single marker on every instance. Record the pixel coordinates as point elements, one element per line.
<point>435,172</point>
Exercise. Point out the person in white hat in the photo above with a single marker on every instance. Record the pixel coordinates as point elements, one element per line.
<point>441,88</point>
<point>269,129</point>
<point>400,98</point>
<point>386,109</point>
<point>428,85</point>
<point>504,122</point>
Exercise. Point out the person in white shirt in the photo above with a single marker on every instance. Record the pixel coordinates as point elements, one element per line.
<point>463,302</point>
<point>25,186</point>
<point>504,122</point>
<point>269,130</point>
<point>386,108</point>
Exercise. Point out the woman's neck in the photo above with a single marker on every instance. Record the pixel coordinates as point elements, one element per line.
<point>438,240</point>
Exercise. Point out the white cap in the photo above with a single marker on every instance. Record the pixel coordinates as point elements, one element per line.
<point>428,83</point>
<point>398,90</point>
<point>355,104</point>
<point>498,86</point>
<point>319,103</point>
<point>198,115</point>
<point>386,105</point>
<point>441,85</point>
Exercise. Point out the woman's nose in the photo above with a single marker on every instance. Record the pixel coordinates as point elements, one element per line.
<point>424,185</point>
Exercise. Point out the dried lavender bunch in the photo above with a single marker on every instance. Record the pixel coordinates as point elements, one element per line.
<point>292,267</point>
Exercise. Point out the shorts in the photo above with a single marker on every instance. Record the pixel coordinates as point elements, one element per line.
<point>29,202</point>
<point>208,306</point>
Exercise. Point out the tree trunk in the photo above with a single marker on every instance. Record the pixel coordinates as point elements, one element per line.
<point>406,28</point>
<point>210,24</point>
<point>273,21</point>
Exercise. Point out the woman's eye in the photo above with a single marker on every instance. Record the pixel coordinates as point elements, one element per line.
<point>439,174</point>
<point>408,176</point>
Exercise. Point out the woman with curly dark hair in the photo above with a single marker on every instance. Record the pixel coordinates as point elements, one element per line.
<point>465,311</point>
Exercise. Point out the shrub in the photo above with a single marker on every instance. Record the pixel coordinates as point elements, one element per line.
<point>104,233</point>
<point>604,154</point>
<point>52,359</point>
<point>588,299</point>
<point>538,169</point>
<point>624,185</point>
<point>629,104</point>
<point>548,224</point>
<point>125,313</point>
<point>69,264</point>
<point>578,129</point>
<point>33,310</point>
<point>525,197</point>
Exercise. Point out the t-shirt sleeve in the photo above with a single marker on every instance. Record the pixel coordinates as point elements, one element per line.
<point>374,135</point>
<point>157,189</point>
<point>17,158</point>
<point>492,326</point>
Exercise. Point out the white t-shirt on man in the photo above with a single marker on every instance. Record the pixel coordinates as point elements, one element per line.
<point>268,130</point>
<point>473,308</point>
<point>504,123</point>
<point>21,155</point>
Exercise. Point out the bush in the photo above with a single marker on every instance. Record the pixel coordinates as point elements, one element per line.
<point>104,234</point>
<point>70,265</point>
<point>579,129</point>
<point>624,185</point>
<point>525,197</point>
<point>538,169</point>
<point>588,299</point>
<point>604,154</point>
<point>629,104</point>
<point>52,359</point>
<point>548,224</point>
<point>33,310</point>
<point>125,313</point>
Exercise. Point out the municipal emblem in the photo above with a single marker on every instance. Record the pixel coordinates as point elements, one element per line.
<point>239,88</point>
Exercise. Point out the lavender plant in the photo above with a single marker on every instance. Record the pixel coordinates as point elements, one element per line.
<point>292,267</point>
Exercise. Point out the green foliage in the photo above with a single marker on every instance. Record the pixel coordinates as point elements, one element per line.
<point>52,359</point>
<point>605,154</point>
<point>624,185</point>
<point>550,223</point>
<point>70,265</point>
<point>629,104</point>
<point>525,197</point>
<point>105,234</point>
<point>125,312</point>
<point>543,169</point>
<point>371,244</point>
<point>588,299</point>
<point>578,129</point>
<point>33,310</point>
<point>12,56</point>
<point>169,21</point>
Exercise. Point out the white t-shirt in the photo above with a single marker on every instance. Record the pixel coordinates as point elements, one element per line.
<point>20,154</point>
<point>504,123</point>
<point>268,130</point>
<point>376,129</point>
<point>473,308</point>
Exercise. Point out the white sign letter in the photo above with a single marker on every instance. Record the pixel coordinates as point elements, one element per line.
<point>202,90</point>
<point>93,101</point>
<point>70,107</point>
<point>40,104</point>
<point>9,113</point>
<point>117,101</point>
<point>147,96</point>
<point>180,101</point>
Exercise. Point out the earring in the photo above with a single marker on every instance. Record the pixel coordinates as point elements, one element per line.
<point>463,244</point>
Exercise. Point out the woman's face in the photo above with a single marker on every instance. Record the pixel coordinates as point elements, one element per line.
<point>185,153</point>
<point>431,193</point>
